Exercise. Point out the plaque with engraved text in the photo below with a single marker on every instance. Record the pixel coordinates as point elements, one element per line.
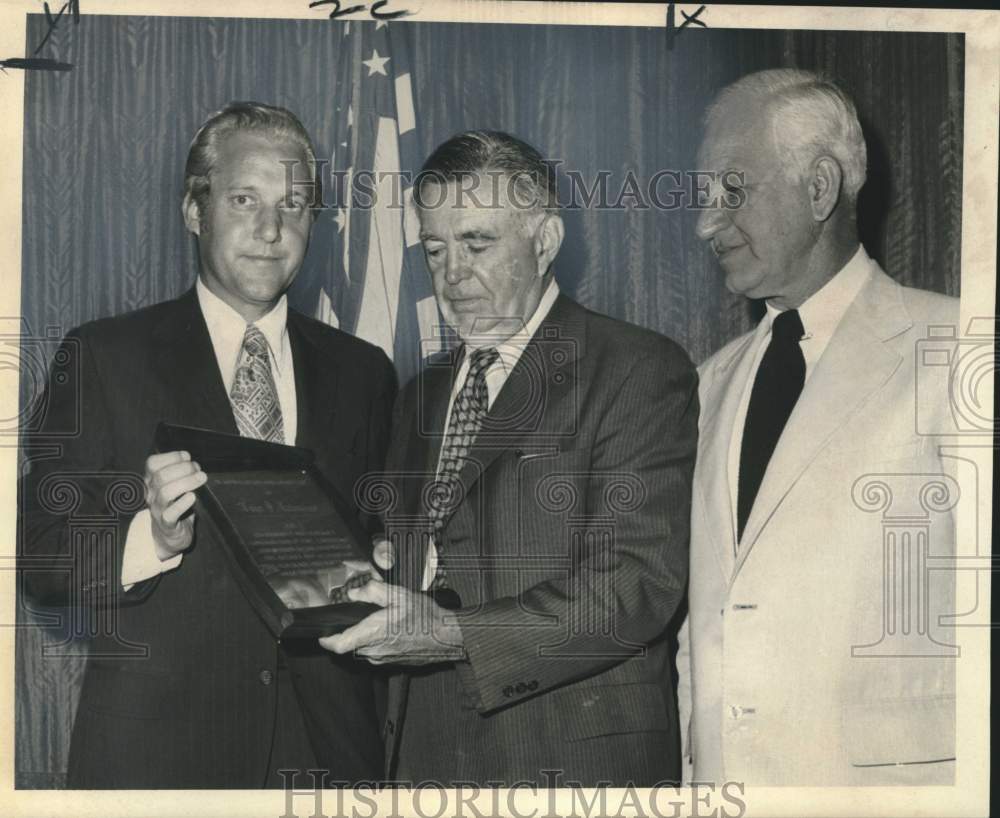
<point>293,543</point>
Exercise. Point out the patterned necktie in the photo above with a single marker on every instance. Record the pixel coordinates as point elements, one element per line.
<point>467,412</point>
<point>776,388</point>
<point>253,396</point>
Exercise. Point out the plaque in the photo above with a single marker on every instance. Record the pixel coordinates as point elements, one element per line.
<point>293,544</point>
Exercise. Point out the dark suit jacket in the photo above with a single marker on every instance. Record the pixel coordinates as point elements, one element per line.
<point>182,693</point>
<point>569,551</point>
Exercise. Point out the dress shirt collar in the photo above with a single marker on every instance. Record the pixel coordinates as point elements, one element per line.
<point>822,311</point>
<point>227,328</point>
<point>511,348</point>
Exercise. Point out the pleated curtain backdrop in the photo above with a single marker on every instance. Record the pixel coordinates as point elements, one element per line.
<point>104,150</point>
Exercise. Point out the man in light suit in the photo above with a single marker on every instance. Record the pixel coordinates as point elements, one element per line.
<point>562,444</point>
<point>794,666</point>
<point>215,701</point>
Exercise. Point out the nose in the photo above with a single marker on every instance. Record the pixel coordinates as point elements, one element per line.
<point>711,220</point>
<point>455,268</point>
<point>268,225</point>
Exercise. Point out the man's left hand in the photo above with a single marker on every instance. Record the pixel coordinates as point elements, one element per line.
<point>411,629</point>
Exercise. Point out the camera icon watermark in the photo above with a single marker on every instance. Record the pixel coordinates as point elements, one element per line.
<point>957,370</point>
<point>546,371</point>
<point>25,360</point>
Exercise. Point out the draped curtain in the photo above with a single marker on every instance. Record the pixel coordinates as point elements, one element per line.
<point>104,149</point>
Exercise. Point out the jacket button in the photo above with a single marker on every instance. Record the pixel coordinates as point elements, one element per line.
<point>508,691</point>
<point>266,677</point>
<point>521,687</point>
<point>533,685</point>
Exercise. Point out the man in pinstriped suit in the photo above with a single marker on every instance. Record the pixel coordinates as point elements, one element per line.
<point>548,461</point>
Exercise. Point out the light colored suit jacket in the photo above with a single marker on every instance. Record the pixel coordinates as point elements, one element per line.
<point>814,654</point>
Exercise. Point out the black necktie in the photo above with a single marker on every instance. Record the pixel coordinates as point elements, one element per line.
<point>777,386</point>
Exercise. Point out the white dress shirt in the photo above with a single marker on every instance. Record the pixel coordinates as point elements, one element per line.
<point>510,351</point>
<point>226,328</point>
<point>821,314</point>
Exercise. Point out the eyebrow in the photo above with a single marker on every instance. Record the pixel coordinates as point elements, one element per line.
<point>286,196</point>
<point>467,235</point>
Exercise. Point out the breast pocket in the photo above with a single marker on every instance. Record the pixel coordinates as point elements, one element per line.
<point>552,482</point>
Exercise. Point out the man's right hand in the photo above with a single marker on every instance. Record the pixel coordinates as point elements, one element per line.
<point>383,556</point>
<point>171,479</point>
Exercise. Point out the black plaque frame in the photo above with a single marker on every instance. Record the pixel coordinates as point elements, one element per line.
<point>220,452</point>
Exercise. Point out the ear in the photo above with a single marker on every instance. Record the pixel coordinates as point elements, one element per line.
<point>548,240</point>
<point>192,214</point>
<point>825,182</point>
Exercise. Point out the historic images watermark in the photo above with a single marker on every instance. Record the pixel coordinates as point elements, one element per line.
<point>666,189</point>
<point>305,791</point>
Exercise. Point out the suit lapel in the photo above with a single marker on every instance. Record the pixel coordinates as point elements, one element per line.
<point>855,364</point>
<point>528,403</point>
<point>535,388</point>
<point>316,391</point>
<point>729,377</point>
<point>437,383</point>
<point>186,361</point>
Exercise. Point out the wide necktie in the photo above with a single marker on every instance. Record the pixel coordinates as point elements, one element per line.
<point>467,412</point>
<point>254,396</point>
<point>776,388</point>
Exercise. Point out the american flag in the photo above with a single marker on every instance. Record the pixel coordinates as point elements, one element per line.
<point>376,285</point>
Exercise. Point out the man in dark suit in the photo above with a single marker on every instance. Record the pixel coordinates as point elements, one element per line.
<point>215,700</point>
<point>548,462</point>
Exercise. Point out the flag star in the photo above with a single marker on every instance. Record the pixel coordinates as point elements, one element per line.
<point>380,23</point>
<point>341,220</point>
<point>376,65</point>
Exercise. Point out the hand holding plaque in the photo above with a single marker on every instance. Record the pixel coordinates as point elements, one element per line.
<point>294,545</point>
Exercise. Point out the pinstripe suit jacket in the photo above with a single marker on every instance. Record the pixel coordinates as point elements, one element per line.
<point>568,549</point>
<point>181,694</point>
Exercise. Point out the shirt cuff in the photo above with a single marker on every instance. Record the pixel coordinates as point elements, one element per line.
<point>139,560</point>
<point>430,566</point>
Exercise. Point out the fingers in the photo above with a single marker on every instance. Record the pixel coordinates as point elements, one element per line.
<point>375,592</point>
<point>155,462</point>
<point>356,568</point>
<point>384,554</point>
<point>172,513</point>
<point>171,479</point>
<point>369,631</point>
<point>169,490</point>
<point>169,482</point>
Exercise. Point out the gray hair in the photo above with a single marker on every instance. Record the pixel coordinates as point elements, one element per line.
<point>809,115</point>
<point>270,120</point>
<point>532,179</point>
